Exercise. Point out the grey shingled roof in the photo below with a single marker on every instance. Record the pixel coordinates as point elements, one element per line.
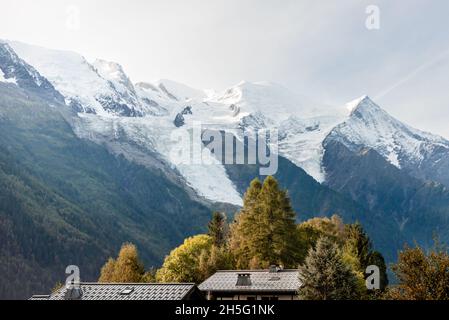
<point>261,281</point>
<point>141,291</point>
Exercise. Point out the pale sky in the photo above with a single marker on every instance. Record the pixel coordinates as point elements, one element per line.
<point>321,49</point>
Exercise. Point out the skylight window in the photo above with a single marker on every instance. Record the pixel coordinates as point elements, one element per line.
<point>127,291</point>
<point>274,279</point>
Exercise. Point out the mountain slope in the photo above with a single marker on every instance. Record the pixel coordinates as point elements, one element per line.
<point>69,201</point>
<point>418,209</point>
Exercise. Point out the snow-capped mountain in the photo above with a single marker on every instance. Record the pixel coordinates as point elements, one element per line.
<point>144,117</point>
<point>302,124</point>
<point>370,126</point>
<point>355,160</point>
<point>13,69</point>
<point>100,88</point>
<point>179,91</point>
<point>403,146</point>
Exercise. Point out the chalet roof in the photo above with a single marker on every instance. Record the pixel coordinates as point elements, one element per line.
<point>286,280</point>
<point>127,291</point>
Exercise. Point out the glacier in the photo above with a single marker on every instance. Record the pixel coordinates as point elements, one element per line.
<point>112,109</point>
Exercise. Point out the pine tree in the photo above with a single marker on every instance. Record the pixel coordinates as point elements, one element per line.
<point>265,231</point>
<point>126,268</point>
<point>359,245</point>
<point>218,228</point>
<point>325,276</point>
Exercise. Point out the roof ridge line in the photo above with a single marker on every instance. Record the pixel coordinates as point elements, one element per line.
<point>258,270</point>
<point>137,283</point>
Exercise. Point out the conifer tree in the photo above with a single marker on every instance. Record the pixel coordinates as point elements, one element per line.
<point>126,268</point>
<point>313,229</point>
<point>359,243</point>
<point>360,246</point>
<point>325,276</point>
<point>242,229</point>
<point>265,231</point>
<point>107,272</point>
<point>150,276</point>
<point>218,228</point>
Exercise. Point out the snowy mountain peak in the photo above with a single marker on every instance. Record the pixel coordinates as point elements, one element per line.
<point>146,86</point>
<point>370,126</point>
<point>101,88</point>
<point>369,112</point>
<point>272,100</point>
<point>113,71</point>
<point>71,75</point>
<point>15,70</point>
<point>354,104</point>
<point>179,91</point>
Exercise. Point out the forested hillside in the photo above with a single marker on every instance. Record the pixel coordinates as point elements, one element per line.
<point>68,201</point>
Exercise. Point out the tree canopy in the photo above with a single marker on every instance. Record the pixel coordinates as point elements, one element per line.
<point>325,275</point>
<point>264,232</point>
<point>126,268</point>
<point>422,275</point>
<point>194,261</point>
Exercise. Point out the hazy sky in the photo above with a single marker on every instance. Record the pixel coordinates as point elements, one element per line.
<point>321,49</point>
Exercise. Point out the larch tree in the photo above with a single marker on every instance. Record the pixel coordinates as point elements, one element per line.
<point>265,231</point>
<point>107,272</point>
<point>127,268</point>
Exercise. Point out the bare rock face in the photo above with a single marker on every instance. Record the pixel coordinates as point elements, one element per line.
<point>179,119</point>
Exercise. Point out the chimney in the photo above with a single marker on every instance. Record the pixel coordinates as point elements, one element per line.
<point>275,268</point>
<point>73,292</point>
<point>243,279</point>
